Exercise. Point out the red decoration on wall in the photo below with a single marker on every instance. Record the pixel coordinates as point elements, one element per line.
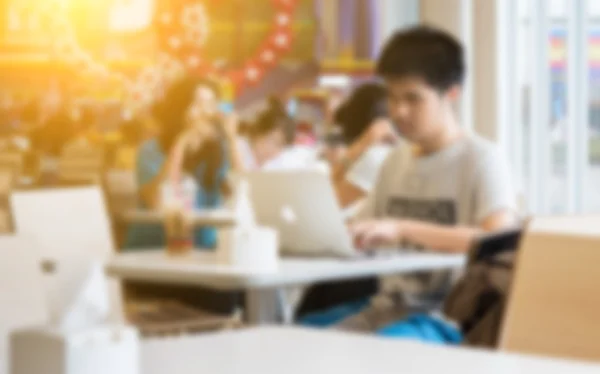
<point>183,36</point>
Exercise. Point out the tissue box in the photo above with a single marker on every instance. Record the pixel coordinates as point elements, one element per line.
<point>252,248</point>
<point>98,350</point>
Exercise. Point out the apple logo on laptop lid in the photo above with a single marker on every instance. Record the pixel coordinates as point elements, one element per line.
<point>288,215</point>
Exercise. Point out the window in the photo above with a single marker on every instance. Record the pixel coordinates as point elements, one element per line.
<point>555,142</point>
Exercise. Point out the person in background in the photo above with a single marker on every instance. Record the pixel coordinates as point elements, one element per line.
<point>267,137</point>
<point>87,126</point>
<point>355,150</point>
<point>30,117</point>
<point>53,134</point>
<point>84,131</point>
<point>368,135</point>
<point>196,140</point>
<point>440,192</point>
<point>54,123</point>
<point>193,139</point>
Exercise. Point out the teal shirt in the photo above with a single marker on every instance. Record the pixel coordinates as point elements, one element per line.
<point>150,159</point>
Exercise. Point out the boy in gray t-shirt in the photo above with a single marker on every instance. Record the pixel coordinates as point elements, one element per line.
<point>436,192</point>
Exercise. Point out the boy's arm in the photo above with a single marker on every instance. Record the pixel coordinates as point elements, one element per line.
<point>495,203</point>
<point>453,238</point>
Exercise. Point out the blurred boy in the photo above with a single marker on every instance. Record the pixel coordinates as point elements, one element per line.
<point>438,193</point>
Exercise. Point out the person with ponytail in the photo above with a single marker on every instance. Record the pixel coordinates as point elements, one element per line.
<point>195,139</point>
<point>367,134</point>
<point>356,152</point>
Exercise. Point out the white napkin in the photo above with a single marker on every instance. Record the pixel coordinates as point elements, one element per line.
<point>247,245</point>
<point>242,206</point>
<point>85,303</point>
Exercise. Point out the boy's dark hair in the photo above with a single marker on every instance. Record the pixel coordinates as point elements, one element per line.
<point>424,52</point>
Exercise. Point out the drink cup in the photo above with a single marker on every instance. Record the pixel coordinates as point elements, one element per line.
<point>179,231</point>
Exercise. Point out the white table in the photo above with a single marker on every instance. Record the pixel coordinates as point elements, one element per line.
<point>215,218</point>
<point>290,350</point>
<point>202,269</point>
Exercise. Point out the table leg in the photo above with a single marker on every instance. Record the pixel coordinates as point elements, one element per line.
<point>272,306</point>
<point>262,307</point>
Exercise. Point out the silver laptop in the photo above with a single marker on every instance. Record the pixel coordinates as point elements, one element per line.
<point>303,207</point>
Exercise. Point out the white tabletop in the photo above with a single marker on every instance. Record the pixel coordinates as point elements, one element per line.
<point>217,218</point>
<point>291,350</point>
<point>202,269</point>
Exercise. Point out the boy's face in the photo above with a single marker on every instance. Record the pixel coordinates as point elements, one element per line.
<point>417,109</point>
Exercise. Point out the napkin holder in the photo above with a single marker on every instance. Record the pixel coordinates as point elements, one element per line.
<point>247,245</point>
<point>253,248</point>
<point>99,350</point>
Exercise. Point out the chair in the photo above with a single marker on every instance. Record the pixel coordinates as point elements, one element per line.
<point>554,303</point>
<point>22,300</point>
<point>173,318</point>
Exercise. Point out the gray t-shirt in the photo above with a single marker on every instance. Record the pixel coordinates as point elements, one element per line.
<point>459,185</point>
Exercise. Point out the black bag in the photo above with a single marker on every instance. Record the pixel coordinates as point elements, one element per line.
<point>323,296</point>
<point>478,300</point>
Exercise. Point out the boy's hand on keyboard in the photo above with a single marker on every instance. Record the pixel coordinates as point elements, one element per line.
<point>369,235</point>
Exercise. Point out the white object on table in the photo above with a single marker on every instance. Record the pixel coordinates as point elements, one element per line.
<point>252,248</point>
<point>247,244</point>
<point>202,269</point>
<point>291,350</point>
<point>100,350</point>
<point>217,218</point>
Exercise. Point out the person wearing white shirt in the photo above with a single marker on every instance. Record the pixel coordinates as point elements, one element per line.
<point>356,153</point>
<point>368,134</point>
<point>267,144</point>
<point>267,137</point>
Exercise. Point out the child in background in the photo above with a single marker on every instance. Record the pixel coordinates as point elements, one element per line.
<point>266,138</point>
<point>368,136</point>
<point>194,140</point>
<point>355,150</point>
